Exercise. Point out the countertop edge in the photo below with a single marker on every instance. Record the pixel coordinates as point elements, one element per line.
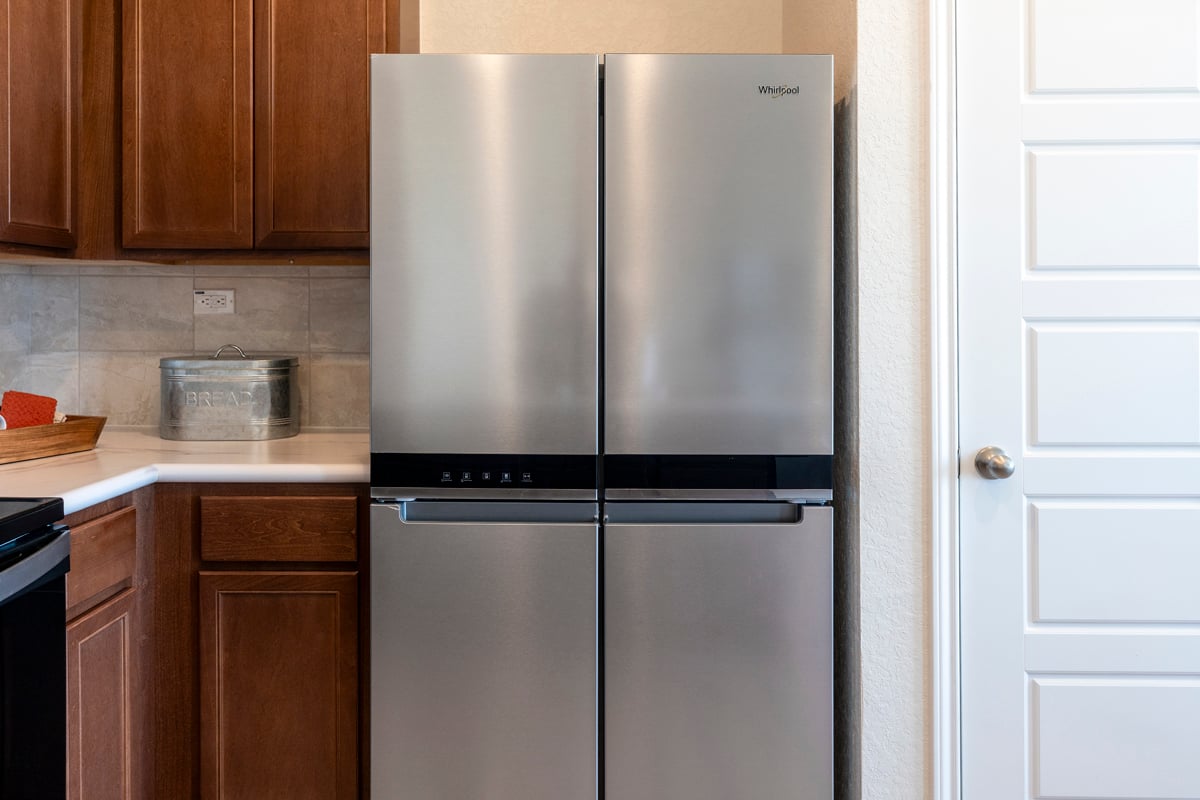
<point>126,461</point>
<point>99,491</point>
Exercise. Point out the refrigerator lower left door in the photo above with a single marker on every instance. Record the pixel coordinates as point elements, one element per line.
<point>483,650</point>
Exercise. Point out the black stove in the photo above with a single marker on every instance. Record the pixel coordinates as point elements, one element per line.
<point>34,559</point>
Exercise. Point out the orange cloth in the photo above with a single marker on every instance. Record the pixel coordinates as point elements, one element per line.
<point>21,409</point>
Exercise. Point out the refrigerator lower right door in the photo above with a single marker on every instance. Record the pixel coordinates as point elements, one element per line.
<point>718,651</point>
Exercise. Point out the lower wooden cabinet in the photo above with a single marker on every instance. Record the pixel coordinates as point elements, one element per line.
<point>279,685</point>
<point>102,704</point>
<point>107,698</point>
<point>257,656</point>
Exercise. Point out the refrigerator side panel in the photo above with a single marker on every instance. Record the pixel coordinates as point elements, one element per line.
<point>718,660</point>
<point>484,242</point>
<point>718,254</point>
<point>483,658</point>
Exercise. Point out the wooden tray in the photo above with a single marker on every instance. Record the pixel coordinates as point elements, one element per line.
<point>39,441</point>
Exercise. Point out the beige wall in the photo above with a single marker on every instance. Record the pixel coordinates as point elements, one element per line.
<point>823,26</point>
<point>592,26</point>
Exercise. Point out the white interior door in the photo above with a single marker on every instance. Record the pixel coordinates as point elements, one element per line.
<point>1079,271</point>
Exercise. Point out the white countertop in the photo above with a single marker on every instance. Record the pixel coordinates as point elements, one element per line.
<point>127,459</point>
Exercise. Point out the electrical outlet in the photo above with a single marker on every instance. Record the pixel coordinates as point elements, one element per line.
<point>212,301</point>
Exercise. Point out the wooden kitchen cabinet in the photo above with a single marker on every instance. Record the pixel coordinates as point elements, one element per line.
<point>102,702</point>
<point>39,112</point>
<point>279,685</point>
<point>107,705</point>
<point>246,122</point>
<point>257,605</point>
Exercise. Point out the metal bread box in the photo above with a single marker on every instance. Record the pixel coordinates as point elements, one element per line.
<point>229,396</point>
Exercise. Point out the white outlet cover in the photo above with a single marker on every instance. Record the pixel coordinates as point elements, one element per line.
<point>212,301</point>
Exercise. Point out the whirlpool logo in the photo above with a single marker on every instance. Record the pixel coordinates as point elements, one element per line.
<point>776,92</point>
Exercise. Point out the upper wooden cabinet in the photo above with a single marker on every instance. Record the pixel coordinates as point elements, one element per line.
<point>246,122</point>
<point>39,57</point>
<point>187,113</point>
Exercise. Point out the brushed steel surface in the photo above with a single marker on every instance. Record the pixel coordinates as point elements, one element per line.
<point>483,656</point>
<point>718,254</point>
<point>484,241</point>
<point>246,398</point>
<point>28,571</point>
<point>993,464</point>
<point>718,658</point>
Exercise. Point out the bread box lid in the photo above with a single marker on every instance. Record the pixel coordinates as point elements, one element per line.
<point>236,359</point>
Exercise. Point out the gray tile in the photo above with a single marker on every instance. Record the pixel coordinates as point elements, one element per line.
<point>54,313</point>
<point>135,314</point>
<point>14,369</point>
<point>55,375</point>
<point>121,386</point>
<point>305,385</point>
<point>271,315</point>
<point>339,391</point>
<point>14,313</point>
<point>339,315</point>
<point>63,267</point>
<point>340,271</point>
<point>204,271</point>
<point>127,270</point>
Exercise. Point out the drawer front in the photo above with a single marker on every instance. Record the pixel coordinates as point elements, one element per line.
<point>102,558</point>
<point>279,528</point>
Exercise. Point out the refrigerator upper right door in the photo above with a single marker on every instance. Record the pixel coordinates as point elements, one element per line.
<point>718,254</point>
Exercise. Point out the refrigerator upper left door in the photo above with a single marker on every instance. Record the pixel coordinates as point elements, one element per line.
<point>484,249</point>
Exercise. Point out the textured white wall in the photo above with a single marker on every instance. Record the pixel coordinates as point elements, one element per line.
<point>893,310</point>
<point>600,26</point>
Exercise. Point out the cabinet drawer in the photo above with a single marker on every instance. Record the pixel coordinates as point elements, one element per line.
<point>102,559</point>
<point>279,528</point>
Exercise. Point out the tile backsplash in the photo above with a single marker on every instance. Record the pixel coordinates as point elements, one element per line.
<point>92,334</point>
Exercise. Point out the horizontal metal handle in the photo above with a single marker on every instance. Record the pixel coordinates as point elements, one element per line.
<point>44,564</point>
<point>411,512</point>
<point>817,496</point>
<point>703,513</point>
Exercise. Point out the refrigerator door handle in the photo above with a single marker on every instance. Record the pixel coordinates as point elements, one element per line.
<point>802,496</point>
<point>703,514</point>
<point>410,512</point>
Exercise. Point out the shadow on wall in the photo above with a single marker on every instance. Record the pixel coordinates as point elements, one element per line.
<point>847,661</point>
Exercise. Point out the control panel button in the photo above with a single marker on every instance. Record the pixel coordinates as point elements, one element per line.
<point>506,477</point>
<point>485,476</point>
<point>447,477</point>
<point>466,477</point>
<point>526,477</point>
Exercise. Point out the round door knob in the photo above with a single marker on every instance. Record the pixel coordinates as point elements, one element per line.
<point>994,464</point>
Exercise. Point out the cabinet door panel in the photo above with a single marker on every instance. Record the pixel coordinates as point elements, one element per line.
<point>101,719</point>
<point>39,105</point>
<point>188,117</point>
<point>278,685</point>
<point>311,120</point>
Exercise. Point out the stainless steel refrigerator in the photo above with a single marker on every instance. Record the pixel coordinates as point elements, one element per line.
<point>601,564</point>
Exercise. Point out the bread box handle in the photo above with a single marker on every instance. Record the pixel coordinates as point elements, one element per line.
<point>221,349</point>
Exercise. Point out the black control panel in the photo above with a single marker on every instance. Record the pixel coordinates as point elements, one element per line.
<point>484,471</point>
<point>718,472</point>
